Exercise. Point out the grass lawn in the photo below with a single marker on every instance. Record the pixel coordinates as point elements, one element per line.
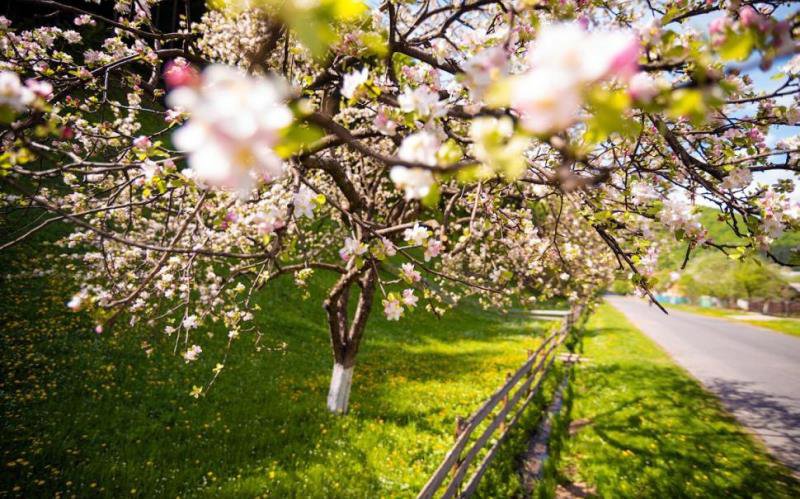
<point>782,325</point>
<point>87,414</point>
<point>643,427</point>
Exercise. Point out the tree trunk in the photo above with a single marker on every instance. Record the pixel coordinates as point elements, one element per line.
<point>339,392</point>
<point>345,334</point>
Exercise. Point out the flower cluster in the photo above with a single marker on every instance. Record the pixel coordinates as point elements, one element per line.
<point>16,96</point>
<point>563,60</point>
<point>235,120</point>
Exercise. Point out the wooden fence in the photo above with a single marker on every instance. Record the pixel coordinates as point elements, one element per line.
<point>525,383</point>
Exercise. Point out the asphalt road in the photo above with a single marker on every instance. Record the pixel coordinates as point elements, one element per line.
<point>754,371</point>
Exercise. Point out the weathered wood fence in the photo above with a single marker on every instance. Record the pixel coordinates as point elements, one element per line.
<point>451,475</point>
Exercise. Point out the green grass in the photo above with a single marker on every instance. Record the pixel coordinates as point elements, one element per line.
<point>646,428</point>
<point>85,413</point>
<point>784,325</point>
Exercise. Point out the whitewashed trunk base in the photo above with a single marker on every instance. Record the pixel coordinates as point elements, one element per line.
<point>339,393</point>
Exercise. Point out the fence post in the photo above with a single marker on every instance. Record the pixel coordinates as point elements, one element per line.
<point>571,318</point>
<point>460,424</point>
<point>505,406</point>
<point>529,375</point>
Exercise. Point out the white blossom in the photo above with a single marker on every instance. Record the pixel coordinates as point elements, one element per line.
<point>235,121</point>
<point>13,93</point>
<point>421,100</point>
<point>416,235</point>
<point>353,81</point>
<point>738,178</point>
<point>562,61</point>
<point>409,274</point>
<point>352,247</point>
<point>190,322</point>
<point>192,353</point>
<point>393,309</point>
<point>409,299</point>
<point>304,202</point>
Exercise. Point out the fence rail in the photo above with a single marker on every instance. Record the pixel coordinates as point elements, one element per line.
<point>527,381</point>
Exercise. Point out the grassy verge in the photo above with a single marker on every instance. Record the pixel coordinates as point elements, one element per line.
<point>111,414</point>
<point>642,427</point>
<point>783,325</point>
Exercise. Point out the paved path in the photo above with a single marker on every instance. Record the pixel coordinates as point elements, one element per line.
<point>754,371</point>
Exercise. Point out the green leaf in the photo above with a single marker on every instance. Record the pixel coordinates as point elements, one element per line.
<point>315,25</point>
<point>7,115</point>
<point>375,43</point>
<point>296,137</point>
<point>450,152</point>
<point>432,199</point>
<point>608,116</point>
<point>737,47</point>
<point>689,103</point>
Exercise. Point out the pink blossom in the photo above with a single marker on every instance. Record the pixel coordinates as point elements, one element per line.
<point>627,50</point>
<point>420,147</point>
<point>304,202</point>
<point>782,36</point>
<point>41,88</point>
<point>392,308</point>
<point>409,299</point>
<point>150,169</point>
<point>563,60</point>
<point>352,247</point>
<point>178,72</point>
<point>586,56</point>
<point>71,36</point>
<point>142,142</point>
<point>172,116</point>
<point>13,93</point>
<point>484,68</point>
<point>235,121</point>
<point>230,218</point>
<point>755,135</point>
<point>84,20</point>
<point>433,249</point>
<point>421,100</point>
<point>269,222</point>
<point>409,274</point>
<point>738,178</point>
<point>388,247</point>
<point>78,301</point>
<point>642,87</point>
<point>719,25</point>
<point>751,18</point>
<point>192,353</point>
<point>385,125</point>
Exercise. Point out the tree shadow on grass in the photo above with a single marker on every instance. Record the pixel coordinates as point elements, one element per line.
<point>664,436</point>
<point>130,418</point>
<point>598,331</point>
<point>775,418</point>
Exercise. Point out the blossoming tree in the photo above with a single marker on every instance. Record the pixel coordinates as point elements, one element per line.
<point>418,151</point>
